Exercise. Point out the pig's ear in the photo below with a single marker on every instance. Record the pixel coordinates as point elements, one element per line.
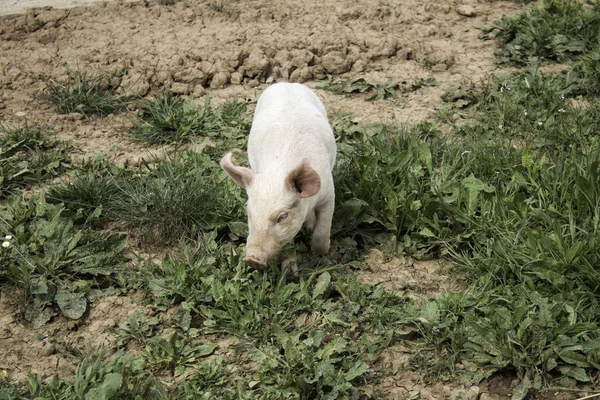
<point>303,180</point>
<point>241,175</point>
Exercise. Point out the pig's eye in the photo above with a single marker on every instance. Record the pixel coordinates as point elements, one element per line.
<point>281,217</point>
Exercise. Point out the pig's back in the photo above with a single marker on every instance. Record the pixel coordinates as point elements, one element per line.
<point>290,122</point>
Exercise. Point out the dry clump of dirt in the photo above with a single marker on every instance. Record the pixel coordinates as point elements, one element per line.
<point>191,48</point>
<point>44,351</point>
<point>408,385</point>
<point>404,382</point>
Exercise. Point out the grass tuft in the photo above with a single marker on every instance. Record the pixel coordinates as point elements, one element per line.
<point>175,198</point>
<point>29,156</point>
<point>85,95</point>
<point>219,5</point>
<point>169,119</point>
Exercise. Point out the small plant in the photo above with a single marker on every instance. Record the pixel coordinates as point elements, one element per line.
<point>174,353</point>
<point>317,366</point>
<point>169,119</point>
<point>374,91</point>
<point>122,376</point>
<point>584,78</point>
<point>56,264</point>
<point>219,5</point>
<point>29,156</point>
<point>85,95</point>
<point>457,98</point>
<point>137,328</point>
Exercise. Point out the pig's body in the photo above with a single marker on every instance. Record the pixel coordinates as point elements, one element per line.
<point>290,122</point>
<point>291,151</point>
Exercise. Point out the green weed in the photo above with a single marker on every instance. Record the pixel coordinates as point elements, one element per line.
<point>529,258</point>
<point>122,376</point>
<point>57,265</point>
<point>457,98</point>
<point>137,328</point>
<point>86,95</point>
<point>536,110</point>
<point>169,119</point>
<point>584,78</point>
<point>419,178</point>
<point>374,90</point>
<point>556,30</point>
<point>175,352</point>
<point>29,156</point>
<point>520,222</point>
<point>306,335</point>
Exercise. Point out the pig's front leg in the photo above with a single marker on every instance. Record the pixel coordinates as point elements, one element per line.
<point>322,231</point>
<point>310,221</point>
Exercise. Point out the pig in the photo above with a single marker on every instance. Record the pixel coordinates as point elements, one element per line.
<point>291,152</point>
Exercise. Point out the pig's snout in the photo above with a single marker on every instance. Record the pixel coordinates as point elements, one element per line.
<point>256,262</point>
<point>259,251</point>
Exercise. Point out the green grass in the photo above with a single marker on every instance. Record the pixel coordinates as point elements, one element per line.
<point>307,336</point>
<point>518,222</point>
<point>556,30</point>
<point>122,376</point>
<point>175,198</point>
<point>584,78</point>
<point>219,294</point>
<point>512,199</point>
<point>169,119</point>
<point>85,95</point>
<point>29,156</point>
<point>537,110</point>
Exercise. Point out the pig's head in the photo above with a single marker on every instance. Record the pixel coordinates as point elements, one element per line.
<point>276,206</point>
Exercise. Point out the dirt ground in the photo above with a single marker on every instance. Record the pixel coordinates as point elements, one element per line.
<point>193,48</point>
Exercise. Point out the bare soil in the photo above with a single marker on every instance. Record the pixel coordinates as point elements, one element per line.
<point>46,350</point>
<point>192,48</point>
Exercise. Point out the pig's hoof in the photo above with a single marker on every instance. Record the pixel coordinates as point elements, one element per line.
<point>255,262</point>
<point>291,263</point>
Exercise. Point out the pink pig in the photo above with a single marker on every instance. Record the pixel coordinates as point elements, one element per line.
<point>291,151</point>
